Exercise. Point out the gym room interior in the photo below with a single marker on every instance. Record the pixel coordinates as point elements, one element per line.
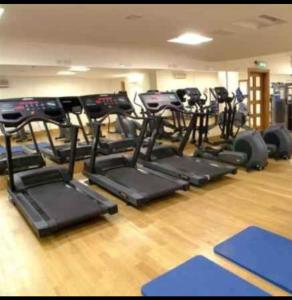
<point>145,149</point>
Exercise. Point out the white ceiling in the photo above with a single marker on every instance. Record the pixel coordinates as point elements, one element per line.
<point>106,25</point>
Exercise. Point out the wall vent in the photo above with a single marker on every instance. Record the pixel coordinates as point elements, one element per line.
<point>260,22</point>
<point>179,75</point>
<point>4,83</point>
<point>221,32</point>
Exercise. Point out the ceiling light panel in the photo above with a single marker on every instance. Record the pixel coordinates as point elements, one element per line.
<point>79,69</point>
<point>1,11</point>
<point>190,39</point>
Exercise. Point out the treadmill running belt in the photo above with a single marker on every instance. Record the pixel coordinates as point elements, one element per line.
<point>142,182</point>
<point>196,165</point>
<point>63,204</point>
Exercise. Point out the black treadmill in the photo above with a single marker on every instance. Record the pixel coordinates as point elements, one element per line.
<point>61,153</point>
<point>22,160</point>
<point>170,160</point>
<point>48,198</point>
<point>119,174</point>
<point>93,107</point>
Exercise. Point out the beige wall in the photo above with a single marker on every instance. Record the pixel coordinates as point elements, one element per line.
<point>57,86</point>
<point>202,80</point>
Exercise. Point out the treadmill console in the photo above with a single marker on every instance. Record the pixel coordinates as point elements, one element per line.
<point>97,106</point>
<point>71,104</point>
<point>15,111</point>
<point>155,102</point>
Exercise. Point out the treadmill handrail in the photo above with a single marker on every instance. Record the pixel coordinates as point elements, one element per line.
<point>8,135</point>
<point>120,112</point>
<point>35,119</point>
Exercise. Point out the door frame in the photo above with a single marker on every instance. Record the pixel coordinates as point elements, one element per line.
<point>265,95</point>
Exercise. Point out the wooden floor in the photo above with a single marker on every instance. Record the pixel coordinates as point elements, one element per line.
<point>117,254</point>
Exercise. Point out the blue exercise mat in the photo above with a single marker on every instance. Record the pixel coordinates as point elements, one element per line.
<point>200,276</point>
<point>15,149</point>
<point>264,253</point>
<point>41,145</point>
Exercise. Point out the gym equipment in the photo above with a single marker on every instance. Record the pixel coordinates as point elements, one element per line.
<point>262,252</point>
<point>129,128</point>
<point>96,106</point>
<point>246,148</point>
<point>21,159</point>
<point>276,137</point>
<point>175,128</point>
<point>288,97</point>
<point>61,153</point>
<point>121,175</point>
<point>22,136</point>
<point>170,160</point>
<point>200,276</point>
<point>278,104</point>
<point>48,198</point>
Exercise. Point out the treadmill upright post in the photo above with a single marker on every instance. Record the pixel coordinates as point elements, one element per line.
<point>96,129</point>
<point>74,136</point>
<point>139,142</point>
<point>186,137</point>
<point>153,138</point>
<point>36,146</point>
<point>82,129</point>
<point>9,160</point>
<point>50,138</point>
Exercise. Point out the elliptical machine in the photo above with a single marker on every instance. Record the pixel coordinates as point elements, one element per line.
<point>245,149</point>
<point>277,137</point>
<point>176,127</point>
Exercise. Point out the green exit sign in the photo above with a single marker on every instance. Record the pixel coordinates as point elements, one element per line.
<point>260,64</point>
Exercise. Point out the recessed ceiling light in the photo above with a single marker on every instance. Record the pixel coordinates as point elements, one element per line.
<point>66,73</point>
<point>1,11</point>
<point>79,69</point>
<point>190,39</point>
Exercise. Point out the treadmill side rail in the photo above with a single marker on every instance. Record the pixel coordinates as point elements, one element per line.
<point>108,206</point>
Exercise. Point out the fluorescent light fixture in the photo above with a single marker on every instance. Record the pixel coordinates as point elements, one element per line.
<point>1,11</point>
<point>79,69</point>
<point>190,39</point>
<point>65,73</point>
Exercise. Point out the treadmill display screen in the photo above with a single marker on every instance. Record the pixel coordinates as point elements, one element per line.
<point>16,111</point>
<point>158,101</point>
<point>71,104</point>
<point>97,106</point>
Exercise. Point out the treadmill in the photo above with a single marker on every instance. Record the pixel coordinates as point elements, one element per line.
<point>171,160</point>
<point>48,198</point>
<point>93,107</point>
<point>22,160</point>
<point>61,153</point>
<point>120,174</point>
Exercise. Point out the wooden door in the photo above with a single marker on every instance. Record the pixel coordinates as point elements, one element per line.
<point>259,98</point>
